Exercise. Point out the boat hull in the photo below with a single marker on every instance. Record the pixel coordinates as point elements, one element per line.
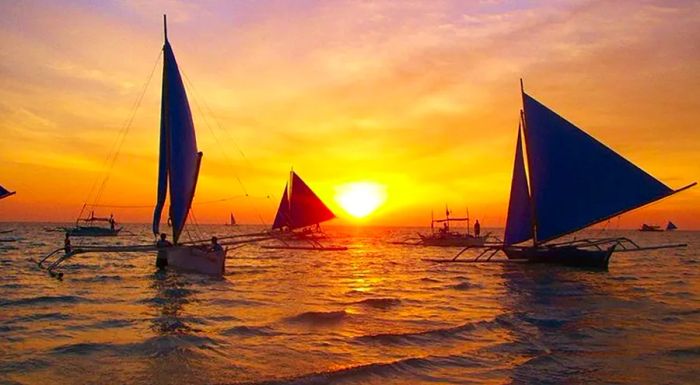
<point>452,241</point>
<point>92,231</point>
<point>197,260</point>
<point>562,255</point>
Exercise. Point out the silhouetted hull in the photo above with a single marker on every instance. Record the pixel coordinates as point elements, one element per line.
<point>562,255</point>
<point>92,231</point>
<point>452,240</point>
<point>196,260</point>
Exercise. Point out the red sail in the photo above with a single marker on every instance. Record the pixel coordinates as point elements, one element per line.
<point>282,217</point>
<point>305,208</point>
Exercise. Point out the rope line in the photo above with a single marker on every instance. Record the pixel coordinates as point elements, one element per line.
<point>115,149</point>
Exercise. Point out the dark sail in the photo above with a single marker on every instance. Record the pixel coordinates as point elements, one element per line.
<point>575,180</point>
<point>179,158</point>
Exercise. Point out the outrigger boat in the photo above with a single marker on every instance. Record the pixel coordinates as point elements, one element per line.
<point>177,174</point>
<point>84,227</point>
<point>572,182</point>
<point>444,236</point>
<point>646,227</point>
<point>299,216</point>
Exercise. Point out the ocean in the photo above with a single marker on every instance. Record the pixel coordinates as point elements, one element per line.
<point>374,314</point>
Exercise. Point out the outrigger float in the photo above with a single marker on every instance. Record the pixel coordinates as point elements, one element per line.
<point>299,215</point>
<point>572,182</point>
<point>178,170</point>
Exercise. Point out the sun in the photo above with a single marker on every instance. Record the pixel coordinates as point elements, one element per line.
<point>360,199</point>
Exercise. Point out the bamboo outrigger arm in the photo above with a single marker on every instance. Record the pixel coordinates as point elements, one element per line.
<point>255,237</point>
<point>622,245</point>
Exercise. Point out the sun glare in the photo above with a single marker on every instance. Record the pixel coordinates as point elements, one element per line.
<point>360,199</point>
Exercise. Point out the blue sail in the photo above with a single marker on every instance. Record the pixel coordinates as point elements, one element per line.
<point>519,220</point>
<point>575,180</point>
<point>4,193</point>
<point>179,158</point>
<point>282,216</point>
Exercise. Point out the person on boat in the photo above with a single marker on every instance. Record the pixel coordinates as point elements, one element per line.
<point>477,228</point>
<point>162,257</point>
<point>215,246</point>
<point>111,222</point>
<point>67,248</point>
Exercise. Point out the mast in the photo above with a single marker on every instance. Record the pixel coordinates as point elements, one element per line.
<point>529,167</point>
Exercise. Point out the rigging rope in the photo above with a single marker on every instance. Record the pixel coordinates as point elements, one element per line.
<point>119,142</point>
<point>196,98</point>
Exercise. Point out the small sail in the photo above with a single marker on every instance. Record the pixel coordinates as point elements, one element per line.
<point>179,158</point>
<point>670,226</point>
<point>519,220</point>
<point>282,216</point>
<point>575,180</point>
<point>233,220</point>
<point>305,208</point>
<point>4,193</point>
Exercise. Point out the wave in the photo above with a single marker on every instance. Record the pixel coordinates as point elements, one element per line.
<point>81,348</point>
<point>249,331</point>
<point>152,347</point>
<point>419,337</point>
<point>44,299</point>
<point>379,303</point>
<point>691,352</point>
<point>390,370</point>
<point>319,317</point>
<point>99,278</point>
<point>55,316</point>
<point>462,286</point>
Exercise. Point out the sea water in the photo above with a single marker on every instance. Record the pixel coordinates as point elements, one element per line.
<point>377,313</point>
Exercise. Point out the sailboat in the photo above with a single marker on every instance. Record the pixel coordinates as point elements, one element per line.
<point>650,228</point>
<point>299,216</point>
<point>670,226</point>
<point>178,170</point>
<point>85,227</point>
<point>444,236</point>
<point>573,181</point>
<point>4,193</point>
<point>232,221</point>
<point>568,182</point>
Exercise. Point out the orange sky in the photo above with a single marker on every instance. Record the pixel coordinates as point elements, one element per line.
<point>422,98</point>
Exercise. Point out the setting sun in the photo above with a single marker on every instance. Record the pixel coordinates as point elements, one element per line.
<point>360,199</point>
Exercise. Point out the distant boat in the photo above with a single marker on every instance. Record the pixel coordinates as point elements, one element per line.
<point>4,193</point>
<point>670,226</point>
<point>646,227</point>
<point>444,236</point>
<point>573,182</point>
<point>299,216</point>
<point>85,227</point>
<point>232,221</point>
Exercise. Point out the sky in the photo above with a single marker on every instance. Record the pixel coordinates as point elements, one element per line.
<point>420,98</point>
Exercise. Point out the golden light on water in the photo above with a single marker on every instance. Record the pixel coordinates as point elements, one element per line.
<point>360,199</point>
